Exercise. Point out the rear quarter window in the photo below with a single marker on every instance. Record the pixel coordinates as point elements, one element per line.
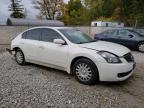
<point>24,35</point>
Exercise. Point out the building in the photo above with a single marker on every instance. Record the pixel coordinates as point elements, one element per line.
<point>32,22</point>
<point>106,24</point>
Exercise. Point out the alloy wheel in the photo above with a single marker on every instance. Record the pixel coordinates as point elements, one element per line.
<point>141,47</point>
<point>19,57</point>
<point>83,72</point>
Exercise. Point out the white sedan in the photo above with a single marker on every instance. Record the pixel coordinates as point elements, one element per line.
<point>76,53</point>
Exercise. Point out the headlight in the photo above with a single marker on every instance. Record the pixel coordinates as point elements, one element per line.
<point>109,57</point>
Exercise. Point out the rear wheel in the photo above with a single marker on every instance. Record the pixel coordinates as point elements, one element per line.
<point>85,71</point>
<point>141,47</point>
<point>19,57</point>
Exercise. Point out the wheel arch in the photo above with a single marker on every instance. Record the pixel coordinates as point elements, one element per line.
<point>81,57</point>
<point>137,46</point>
<point>77,58</point>
<point>140,42</point>
<point>15,48</point>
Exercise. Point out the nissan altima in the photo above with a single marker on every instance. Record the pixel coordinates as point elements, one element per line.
<point>76,53</point>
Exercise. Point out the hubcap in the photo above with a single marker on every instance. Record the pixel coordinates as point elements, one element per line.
<point>83,72</point>
<point>19,57</point>
<point>141,47</point>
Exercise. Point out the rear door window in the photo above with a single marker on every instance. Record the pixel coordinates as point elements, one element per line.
<point>33,34</point>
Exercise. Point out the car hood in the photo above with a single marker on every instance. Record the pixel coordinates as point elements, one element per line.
<point>106,46</point>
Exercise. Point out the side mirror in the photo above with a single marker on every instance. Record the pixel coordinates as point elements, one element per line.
<point>131,36</point>
<point>59,41</point>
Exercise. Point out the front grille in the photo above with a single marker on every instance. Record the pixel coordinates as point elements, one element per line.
<point>120,75</point>
<point>129,57</point>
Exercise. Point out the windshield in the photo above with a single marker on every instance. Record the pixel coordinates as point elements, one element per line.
<point>135,32</point>
<point>141,31</point>
<point>76,36</point>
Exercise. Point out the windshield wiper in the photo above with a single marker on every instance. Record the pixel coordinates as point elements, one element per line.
<point>87,42</point>
<point>92,41</point>
<point>80,42</point>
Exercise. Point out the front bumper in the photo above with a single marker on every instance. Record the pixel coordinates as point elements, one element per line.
<point>115,72</point>
<point>10,51</point>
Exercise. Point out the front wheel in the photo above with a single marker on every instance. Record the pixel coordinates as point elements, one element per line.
<point>19,57</point>
<point>141,47</point>
<point>85,71</point>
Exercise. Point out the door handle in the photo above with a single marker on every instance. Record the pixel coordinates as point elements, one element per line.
<point>22,43</point>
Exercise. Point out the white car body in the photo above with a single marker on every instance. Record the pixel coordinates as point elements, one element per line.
<point>61,56</point>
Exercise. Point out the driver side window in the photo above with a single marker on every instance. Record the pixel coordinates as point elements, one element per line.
<point>124,34</point>
<point>48,35</point>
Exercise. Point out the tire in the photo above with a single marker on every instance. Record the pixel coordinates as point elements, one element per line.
<point>85,71</point>
<point>141,47</point>
<point>19,57</point>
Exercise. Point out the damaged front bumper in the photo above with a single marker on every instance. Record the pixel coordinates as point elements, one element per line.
<point>10,51</point>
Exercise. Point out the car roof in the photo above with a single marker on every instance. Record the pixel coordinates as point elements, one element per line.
<point>56,28</point>
<point>139,28</point>
<point>119,29</point>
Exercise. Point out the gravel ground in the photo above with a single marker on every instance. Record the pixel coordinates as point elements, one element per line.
<point>34,86</point>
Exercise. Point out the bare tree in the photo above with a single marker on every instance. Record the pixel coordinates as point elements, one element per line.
<point>48,8</point>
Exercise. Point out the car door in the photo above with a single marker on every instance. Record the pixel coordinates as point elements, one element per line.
<point>51,53</point>
<point>126,38</point>
<point>29,43</point>
<point>110,35</point>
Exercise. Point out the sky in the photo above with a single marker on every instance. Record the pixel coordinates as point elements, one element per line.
<point>31,12</point>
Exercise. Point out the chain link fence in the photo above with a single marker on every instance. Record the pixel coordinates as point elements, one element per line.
<point>7,33</point>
